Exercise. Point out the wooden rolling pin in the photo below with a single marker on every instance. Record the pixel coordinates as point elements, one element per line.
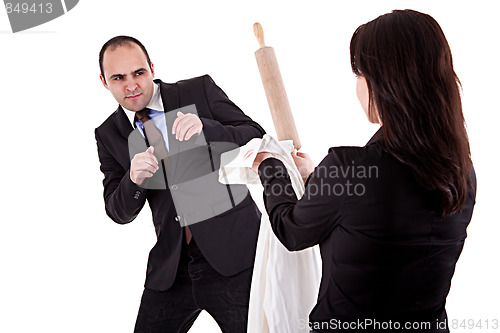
<point>275,90</point>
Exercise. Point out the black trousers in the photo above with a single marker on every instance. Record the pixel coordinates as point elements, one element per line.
<point>197,287</point>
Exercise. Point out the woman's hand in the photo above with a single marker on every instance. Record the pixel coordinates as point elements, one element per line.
<point>258,159</point>
<point>304,164</point>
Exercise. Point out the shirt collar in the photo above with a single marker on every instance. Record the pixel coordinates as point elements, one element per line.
<point>155,104</point>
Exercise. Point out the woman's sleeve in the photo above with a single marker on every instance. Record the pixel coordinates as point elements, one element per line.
<point>303,223</point>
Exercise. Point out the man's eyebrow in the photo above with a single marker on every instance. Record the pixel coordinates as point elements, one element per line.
<point>140,70</point>
<point>116,75</point>
<point>133,73</point>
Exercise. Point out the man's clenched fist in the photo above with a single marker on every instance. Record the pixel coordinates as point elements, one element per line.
<point>186,125</point>
<point>143,166</point>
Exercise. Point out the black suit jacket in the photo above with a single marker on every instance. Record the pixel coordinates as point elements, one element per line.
<point>227,241</point>
<point>386,252</point>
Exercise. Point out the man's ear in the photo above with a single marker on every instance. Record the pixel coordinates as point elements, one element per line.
<point>153,70</point>
<point>103,80</point>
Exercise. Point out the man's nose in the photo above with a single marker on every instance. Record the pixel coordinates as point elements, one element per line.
<point>131,85</point>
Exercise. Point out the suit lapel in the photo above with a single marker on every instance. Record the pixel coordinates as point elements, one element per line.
<point>169,95</point>
<point>122,122</point>
<point>170,99</point>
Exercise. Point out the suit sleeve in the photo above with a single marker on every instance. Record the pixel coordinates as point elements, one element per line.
<point>123,199</point>
<point>230,124</point>
<point>300,224</point>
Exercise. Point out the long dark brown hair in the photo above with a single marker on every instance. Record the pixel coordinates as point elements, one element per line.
<point>407,63</point>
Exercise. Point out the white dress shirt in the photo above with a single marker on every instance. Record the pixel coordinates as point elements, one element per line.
<point>156,114</point>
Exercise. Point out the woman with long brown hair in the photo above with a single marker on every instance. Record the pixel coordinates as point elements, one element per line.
<point>390,217</point>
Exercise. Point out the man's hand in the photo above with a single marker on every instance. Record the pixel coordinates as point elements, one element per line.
<point>304,164</point>
<point>143,166</point>
<point>186,125</point>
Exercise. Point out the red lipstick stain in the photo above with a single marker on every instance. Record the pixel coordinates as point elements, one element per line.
<point>247,154</point>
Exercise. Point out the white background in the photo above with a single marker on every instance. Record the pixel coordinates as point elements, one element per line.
<point>66,267</point>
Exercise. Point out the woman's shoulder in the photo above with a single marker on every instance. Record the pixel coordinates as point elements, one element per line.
<point>349,154</point>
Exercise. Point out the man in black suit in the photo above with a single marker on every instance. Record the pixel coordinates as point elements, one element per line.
<point>201,262</point>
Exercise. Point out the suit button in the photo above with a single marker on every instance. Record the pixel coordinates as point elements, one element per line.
<point>174,187</point>
<point>177,218</point>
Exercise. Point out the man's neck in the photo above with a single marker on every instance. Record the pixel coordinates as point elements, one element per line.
<point>154,103</point>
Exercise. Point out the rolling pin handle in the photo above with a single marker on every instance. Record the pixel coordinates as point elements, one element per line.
<point>259,34</point>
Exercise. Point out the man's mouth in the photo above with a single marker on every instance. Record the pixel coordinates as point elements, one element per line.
<point>133,96</point>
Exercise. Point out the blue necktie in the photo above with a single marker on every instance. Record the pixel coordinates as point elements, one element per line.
<point>155,138</point>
